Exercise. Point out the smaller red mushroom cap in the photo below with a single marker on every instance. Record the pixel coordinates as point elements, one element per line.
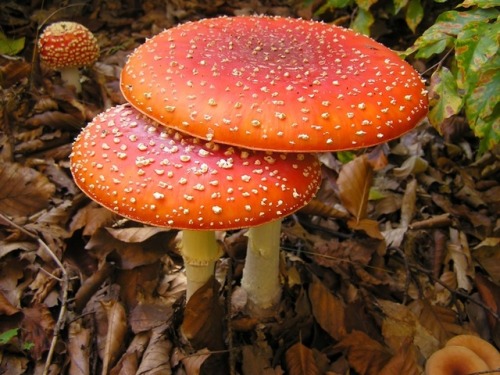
<point>67,44</point>
<point>154,174</point>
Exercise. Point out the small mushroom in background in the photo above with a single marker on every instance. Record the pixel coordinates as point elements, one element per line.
<point>153,174</point>
<point>68,46</point>
<point>274,84</point>
<point>463,355</point>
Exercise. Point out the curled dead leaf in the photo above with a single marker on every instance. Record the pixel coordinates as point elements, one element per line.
<point>354,182</point>
<point>328,310</point>
<point>112,327</point>
<point>23,191</point>
<point>300,360</point>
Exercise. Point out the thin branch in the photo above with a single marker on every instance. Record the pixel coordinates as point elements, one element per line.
<point>64,285</point>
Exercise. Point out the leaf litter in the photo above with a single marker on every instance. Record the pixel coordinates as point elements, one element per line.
<point>399,251</point>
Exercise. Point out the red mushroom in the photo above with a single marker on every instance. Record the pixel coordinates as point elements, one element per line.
<point>274,83</point>
<point>68,46</point>
<point>153,174</point>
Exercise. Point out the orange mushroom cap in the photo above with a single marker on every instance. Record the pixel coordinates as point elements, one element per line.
<point>454,360</point>
<point>154,174</point>
<point>487,352</point>
<point>275,83</point>
<point>67,44</point>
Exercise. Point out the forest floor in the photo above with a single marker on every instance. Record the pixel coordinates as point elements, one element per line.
<point>83,291</point>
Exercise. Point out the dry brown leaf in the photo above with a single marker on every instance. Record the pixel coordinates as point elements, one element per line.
<point>13,364</point>
<point>135,234</point>
<point>204,317</point>
<point>413,165</point>
<point>192,363</point>
<point>408,204</point>
<point>320,208</point>
<point>257,358</point>
<point>112,327</point>
<point>487,254</point>
<point>79,339</point>
<point>401,324</point>
<point>364,354</point>
<point>23,191</point>
<point>404,362</point>
<point>91,218</point>
<point>300,360</point>
<point>441,321</point>
<point>91,285</point>
<point>156,358</point>
<point>328,310</point>
<point>6,308</point>
<point>129,362</point>
<point>37,327</point>
<point>369,226</point>
<point>354,182</point>
<point>458,251</point>
<point>146,316</point>
<point>490,294</point>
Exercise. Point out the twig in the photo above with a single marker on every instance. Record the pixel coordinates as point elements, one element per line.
<point>229,335</point>
<point>64,285</point>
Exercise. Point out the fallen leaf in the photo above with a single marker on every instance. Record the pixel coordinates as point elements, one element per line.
<point>364,354</point>
<point>300,360</point>
<point>328,310</point>
<point>111,327</point>
<point>488,256</point>
<point>441,321</point>
<point>203,318</point>
<point>129,362</point>
<point>79,339</point>
<point>37,328</point>
<point>404,362</point>
<point>354,182</point>
<point>156,358</point>
<point>23,191</point>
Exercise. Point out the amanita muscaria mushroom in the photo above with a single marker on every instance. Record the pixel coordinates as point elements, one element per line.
<point>275,83</point>
<point>463,355</point>
<point>155,175</point>
<point>67,46</point>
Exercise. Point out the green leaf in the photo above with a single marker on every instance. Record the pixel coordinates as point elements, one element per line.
<point>6,336</point>
<point>482,107</point>
<point>399,4</point>
<point>442,34</point>
<point>479,3</point>
<point>476,44</point>
<point>331,5</point>
<point>366,4</point>
<point>444,98</point>
<point>10,47</point>
<point>414,14</point>
<point>362,22</point>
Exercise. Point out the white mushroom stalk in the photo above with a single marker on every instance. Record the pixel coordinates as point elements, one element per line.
<point>261,272</point>
<point>200,252</point>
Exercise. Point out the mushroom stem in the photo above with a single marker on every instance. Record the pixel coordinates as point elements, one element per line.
<point>261,271</point>
<point>71,76</point>
<point>200,251</point>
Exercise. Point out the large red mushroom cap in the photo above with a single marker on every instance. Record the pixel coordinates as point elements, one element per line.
<point>275,83</point>
<point>154,174</point>
<point>67,44</point>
